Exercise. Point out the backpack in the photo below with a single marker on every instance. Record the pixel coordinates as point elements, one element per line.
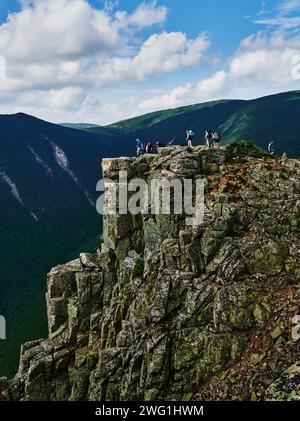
<point>191,133</point>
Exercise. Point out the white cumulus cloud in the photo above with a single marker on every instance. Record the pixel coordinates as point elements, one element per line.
<point>209,87</point>
<point>146,14</point>
<point>59,52</point>
<point>169,100</point>
<point>47,31</point>
<point>161,53</point>
<point>266,58</point>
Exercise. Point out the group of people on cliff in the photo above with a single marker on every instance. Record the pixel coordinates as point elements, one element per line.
<point>212,140</point>
<point>141,149</point>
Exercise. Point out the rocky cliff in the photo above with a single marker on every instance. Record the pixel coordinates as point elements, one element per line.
<point>167,311</point>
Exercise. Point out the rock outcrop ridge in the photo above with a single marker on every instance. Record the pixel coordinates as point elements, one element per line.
<point>165,311</point>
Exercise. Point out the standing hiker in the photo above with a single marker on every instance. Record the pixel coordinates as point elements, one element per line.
<point>139,147</point>
<point>271,148</point>
<point>190,135</point>
<point>149,148</point>
<point>208,137</point>
<point>216,140</point>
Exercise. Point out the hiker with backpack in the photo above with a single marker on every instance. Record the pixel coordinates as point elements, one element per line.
<point>216,140</point>
<point>190,135</point>
<point>208,138</point>
<point>139,147</point>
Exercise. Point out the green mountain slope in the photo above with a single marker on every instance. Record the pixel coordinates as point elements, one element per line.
<point>148,120</point>
<point>79,126</point>
<point>48,177</point>
<point>273,117</point>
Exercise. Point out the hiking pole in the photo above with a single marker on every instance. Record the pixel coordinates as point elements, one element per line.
<point>170,143</point>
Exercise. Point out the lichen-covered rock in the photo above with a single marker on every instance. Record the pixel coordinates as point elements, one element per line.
<point>169,311</point>
<point>287,387</point>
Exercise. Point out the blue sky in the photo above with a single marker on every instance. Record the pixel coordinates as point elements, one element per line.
<point>229,17</point>
<point>101,61</point>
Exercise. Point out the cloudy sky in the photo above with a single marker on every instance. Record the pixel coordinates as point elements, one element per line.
<point>101,61</point>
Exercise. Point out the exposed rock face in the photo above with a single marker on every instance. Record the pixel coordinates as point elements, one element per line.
<point>167,311</point>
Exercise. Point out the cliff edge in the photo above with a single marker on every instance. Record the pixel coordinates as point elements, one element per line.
<point>167,311</point>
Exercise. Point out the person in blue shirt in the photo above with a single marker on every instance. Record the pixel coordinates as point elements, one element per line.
<point>139,147</point>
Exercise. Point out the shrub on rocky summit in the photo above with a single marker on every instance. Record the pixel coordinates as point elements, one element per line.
<point>244,149</point>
